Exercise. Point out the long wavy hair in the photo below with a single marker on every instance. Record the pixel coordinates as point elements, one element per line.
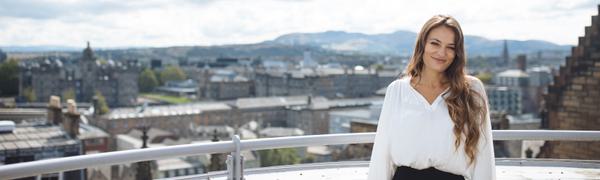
<point>466,107</point>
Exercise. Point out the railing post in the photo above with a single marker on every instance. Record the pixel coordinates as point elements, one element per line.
<point>230,169</point>
<point>237,159</point>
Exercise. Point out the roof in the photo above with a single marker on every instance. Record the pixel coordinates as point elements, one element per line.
<point>349,102</point>
<point>17,114</point>
<point>211,128</point>
<point>217,78</point>
<point>172,164</point>
<point>513,73</point>
<point>152,133</point>
<point>280,132</point>
<point>177,89</point>
<point>167,110</point>
<point>87,131</point>
<point>354,113</point>
<point>264,102</point>
<point>28,136</point>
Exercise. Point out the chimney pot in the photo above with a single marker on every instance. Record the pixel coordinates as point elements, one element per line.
<point>54,114</point>
<point>71,106</point>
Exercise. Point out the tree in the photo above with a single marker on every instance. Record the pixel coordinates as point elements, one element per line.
<point>69,94</point>
<point>171,73</point>
<point>378,67</point>
<point>29,94</point>
<point>147,81</point>
<point>485,77</point>
<point>274,157</point>
<point>102,106</point>
<point>9,78</point>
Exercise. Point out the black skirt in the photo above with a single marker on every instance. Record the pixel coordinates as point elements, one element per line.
<point>408,173</point>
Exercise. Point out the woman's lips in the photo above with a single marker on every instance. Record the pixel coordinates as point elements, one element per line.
<point>439,60</point>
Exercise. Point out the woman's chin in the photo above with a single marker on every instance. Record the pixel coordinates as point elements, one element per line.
<point>439,69</point>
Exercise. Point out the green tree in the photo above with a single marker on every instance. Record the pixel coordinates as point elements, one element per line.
<point>171,73</point>
<point>9,78</point>
<point>485,77</point>
<point>378,67</point>
<point>69,94</point>
<point>274,157</point>
<point>103,106</point>
<point>147,81</point>
<point>29,94</point>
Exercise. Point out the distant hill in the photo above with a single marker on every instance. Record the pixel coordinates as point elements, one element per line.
<point>402,42</point>
<point>330,42</point>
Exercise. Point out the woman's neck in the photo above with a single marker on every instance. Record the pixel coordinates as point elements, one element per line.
<point>432,79</point>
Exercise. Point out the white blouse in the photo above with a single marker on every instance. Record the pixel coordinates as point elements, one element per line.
<point>411,132</point>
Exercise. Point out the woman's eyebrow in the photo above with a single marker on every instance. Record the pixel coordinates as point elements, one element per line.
<point>437,40</point>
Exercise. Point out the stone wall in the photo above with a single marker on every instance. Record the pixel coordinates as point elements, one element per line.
<point>573,101</point>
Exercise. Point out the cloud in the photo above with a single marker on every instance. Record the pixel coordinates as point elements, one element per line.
<point>112,23</point>
<point>51,9</point>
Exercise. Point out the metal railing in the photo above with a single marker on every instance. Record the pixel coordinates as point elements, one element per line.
<point>235,168</point>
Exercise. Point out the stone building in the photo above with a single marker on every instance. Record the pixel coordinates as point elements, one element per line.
<point>222,83</point>
<point>573,101</point>
<point>312,118</point>
<point>327,82</point>
<point>115,80</point>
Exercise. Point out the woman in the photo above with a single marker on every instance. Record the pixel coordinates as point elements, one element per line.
<point>434,123</point>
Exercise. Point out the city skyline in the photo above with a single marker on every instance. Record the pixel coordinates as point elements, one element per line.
<point>183,22</point>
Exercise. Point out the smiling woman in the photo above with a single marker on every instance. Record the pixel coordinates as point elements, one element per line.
<point>434,123</point>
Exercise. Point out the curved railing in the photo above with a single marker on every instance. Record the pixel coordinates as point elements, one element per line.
<point>36,168</point>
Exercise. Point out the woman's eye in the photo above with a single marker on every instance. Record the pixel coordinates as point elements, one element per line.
<point>434,43</point>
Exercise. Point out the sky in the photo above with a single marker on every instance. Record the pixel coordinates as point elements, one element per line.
<point>162,23</point>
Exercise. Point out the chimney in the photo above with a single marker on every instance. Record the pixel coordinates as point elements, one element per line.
<point>522,62</point>
<point>71,123</point>
<point>96,106</point>
<point>54,111</point>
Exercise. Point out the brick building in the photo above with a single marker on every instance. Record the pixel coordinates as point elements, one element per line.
<point>573,100</point>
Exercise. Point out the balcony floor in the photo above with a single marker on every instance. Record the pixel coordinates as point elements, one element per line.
<point>357,170</point>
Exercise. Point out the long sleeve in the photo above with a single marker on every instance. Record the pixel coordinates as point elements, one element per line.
<point>381,166</point>
<point>485,166</point>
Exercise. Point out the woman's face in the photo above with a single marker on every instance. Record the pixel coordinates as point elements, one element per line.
<point>439,49</point>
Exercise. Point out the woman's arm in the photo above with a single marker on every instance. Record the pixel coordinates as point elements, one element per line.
<point>381,166</point>
<point>485,165</point>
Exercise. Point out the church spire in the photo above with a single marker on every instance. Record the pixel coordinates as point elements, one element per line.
<point>88,54</point>
<point>505,56</point>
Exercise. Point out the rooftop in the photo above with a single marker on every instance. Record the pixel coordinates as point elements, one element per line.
<point>35,136</point>
<point>513,73</point>
<point>358,170</point>
<point>167,110</point>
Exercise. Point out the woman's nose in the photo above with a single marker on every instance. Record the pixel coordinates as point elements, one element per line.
<point>441,52</point>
